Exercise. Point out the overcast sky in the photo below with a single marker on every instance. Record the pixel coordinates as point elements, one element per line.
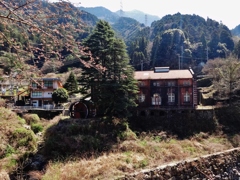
<point>227,11</point>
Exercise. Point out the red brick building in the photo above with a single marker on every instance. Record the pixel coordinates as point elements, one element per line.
<point>165,88</point>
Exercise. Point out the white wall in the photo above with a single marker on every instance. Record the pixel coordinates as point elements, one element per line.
<point>47,94</point>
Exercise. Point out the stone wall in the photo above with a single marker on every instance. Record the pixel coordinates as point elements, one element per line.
<point>219,166</point>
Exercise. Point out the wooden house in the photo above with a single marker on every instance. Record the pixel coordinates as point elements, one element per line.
<point>41,90</point>
<point>165,88</point>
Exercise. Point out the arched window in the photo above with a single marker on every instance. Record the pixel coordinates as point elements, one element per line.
<point>171,97</point>
<point>156,99</point>
<point>186,97</point>
<point>141,98</point>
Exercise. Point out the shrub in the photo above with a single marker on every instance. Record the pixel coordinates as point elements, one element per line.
<point>23,138</point>
<point>60,95</point>
<point>9,150</point>
<point>31,118</point>
<point>36,127</point>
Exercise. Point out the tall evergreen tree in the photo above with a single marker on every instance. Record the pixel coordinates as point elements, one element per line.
<point>71,84</point>
<point>113,89</point>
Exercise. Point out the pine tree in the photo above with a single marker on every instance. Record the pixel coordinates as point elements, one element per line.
<point>113,89</point>
<point>71,84</point>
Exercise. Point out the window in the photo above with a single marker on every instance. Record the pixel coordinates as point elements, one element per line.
<point>186,83</point>
<point>34,85</point>
<point>186,97</point>
<point>141,98</point>
<point>156,99</point>
<point>36,94</point>
<point>171,83</point>
<point>171,97</point>
<point>48,84</point>
<point>141,83</point>
<point>156,83</point>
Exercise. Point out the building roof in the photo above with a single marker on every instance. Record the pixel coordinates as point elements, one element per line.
<point>171,74</point>
<point>46,79</point>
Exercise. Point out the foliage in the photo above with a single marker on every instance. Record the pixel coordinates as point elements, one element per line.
<point>31,118</point>
<point>113,88</point>
<point>71,84</point>
<point>15,139</point>
<point>225,75</point>
<point>60,95</point>
<point>37,32</point>
<point>170,48</point>
<point>36,127</point>
<point>204,39</point>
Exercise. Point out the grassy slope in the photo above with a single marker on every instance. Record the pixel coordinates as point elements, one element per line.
<point>78,149</point>
<point>129,153</point>
<point>15,139</point>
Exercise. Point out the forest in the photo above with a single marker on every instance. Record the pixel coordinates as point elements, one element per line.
<point>178,40</point>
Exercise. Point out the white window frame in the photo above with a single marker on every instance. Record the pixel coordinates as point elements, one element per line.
<point>171,97</point>
<point>36,94</point>
<point>186,97</point>
<point>156,99</point>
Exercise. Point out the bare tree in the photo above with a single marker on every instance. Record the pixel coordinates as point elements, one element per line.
<point>55,25</point>
<point>225,75</point>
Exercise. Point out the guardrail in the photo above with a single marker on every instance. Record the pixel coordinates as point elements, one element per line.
<point>38,108</point>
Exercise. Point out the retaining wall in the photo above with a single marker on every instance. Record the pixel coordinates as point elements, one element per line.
<point>219,166</point>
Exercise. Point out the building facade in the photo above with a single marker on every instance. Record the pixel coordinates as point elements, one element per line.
<point>41,90</point>
<point>165,88</point>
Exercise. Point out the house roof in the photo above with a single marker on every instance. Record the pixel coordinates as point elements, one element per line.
<point>171,74</point>
<point>46,79</point>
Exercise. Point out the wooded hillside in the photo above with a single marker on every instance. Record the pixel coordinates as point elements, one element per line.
<point>175,40</point>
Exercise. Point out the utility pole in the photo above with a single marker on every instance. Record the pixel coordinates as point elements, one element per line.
<point>121,8</point>
<point>146,19</point>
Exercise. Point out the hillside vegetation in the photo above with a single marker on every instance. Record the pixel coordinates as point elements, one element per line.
<point>17,140</point>
<point>90,149</point>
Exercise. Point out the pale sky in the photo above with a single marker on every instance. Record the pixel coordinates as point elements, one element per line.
<point>227,11</point>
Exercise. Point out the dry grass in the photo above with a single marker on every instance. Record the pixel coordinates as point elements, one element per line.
<point>15,139</point>
<point>132,155</point>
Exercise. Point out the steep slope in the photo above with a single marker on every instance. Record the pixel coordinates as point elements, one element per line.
<point>140,16</point>
<point>102,13</point>
<point>236,31</point>
<point>47,35</point>
<point>127,28</point>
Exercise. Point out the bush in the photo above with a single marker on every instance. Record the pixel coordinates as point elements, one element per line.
<point>23,138</point>
<point>60,95</point>
<point>36,127</point>
<point>31,118</point>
